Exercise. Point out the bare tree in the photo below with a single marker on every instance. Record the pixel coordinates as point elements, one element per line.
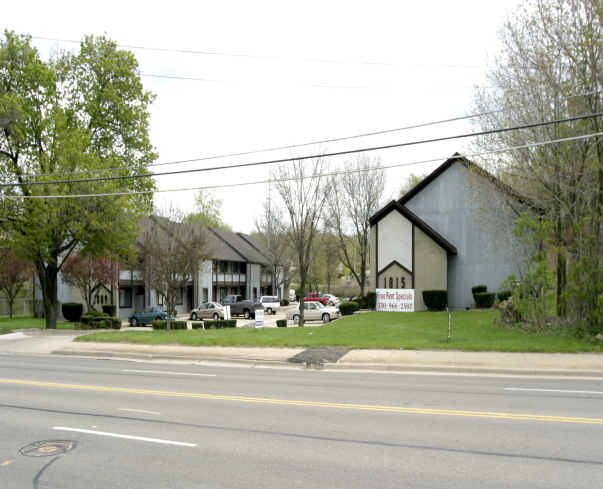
<point>304,192</point>
<point>271,233</point>
<point>354,198</point>
<point>171,253</point>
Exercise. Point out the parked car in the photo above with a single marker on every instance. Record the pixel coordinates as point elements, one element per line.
<point>271,303</point>
<point>239,306</point>
<point>316,297</point>
<point>208,310</point>
<point>333,299</point>
<point>147,316</point>
<point>315,311</point>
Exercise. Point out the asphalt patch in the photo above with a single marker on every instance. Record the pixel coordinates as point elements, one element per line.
<point>319,356</point>
<point>47,448</point>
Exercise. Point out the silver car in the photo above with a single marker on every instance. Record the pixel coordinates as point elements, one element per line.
<point>208,310</point>
<point>315,311</point>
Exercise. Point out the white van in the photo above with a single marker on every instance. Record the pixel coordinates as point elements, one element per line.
<point>291,295</point>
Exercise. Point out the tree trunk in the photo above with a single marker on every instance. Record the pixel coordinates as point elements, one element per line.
<point>561,270</point>
<point>302,294</point>
<point>11,301</point>
<point>48,274</point>
<point>169,302</point>
<point>362,282</point>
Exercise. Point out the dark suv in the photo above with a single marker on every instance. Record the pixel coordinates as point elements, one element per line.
<point>239,306</point>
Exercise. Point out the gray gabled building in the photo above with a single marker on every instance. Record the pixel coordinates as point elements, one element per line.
<point>470,216</point>
<point>238,264</point>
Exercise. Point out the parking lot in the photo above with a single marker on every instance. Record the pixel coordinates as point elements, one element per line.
<point>269,320</point>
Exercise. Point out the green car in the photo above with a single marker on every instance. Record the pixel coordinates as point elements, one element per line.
<point>147,316</point>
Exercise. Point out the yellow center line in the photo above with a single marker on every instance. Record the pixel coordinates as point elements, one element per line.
<point>6,462</point>
<point>289,402</point>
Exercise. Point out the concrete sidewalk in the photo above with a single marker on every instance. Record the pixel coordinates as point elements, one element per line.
<point>575,364</point>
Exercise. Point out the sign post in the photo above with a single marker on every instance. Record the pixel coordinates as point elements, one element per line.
<point>396,300</point>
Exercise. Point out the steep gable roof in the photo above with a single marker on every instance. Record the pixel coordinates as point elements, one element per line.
<point>253,242</point>
<point>417,221</point>
<point>458,158</point>
<point>240,246</point>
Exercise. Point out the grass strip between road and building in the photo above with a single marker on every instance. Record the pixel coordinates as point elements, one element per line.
<point>471,331</point>
<point>27,322</point>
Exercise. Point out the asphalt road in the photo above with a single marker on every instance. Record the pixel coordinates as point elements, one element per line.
<point>136,425</point>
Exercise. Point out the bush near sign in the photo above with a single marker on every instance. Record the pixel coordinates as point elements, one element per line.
<point>396,300</point>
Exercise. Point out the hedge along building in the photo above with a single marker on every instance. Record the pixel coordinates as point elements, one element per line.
<point>450,232</point>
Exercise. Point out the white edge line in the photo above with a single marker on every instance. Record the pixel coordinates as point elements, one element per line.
<point>551,390</point>
<point>166,372</point>
<point>128,437</point>
<point>139,411</point>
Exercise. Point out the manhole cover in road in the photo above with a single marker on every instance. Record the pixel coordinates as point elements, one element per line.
<point>47,448</point>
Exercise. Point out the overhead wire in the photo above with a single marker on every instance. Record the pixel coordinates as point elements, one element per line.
<point>312,156</point>
<point>280,148</point>
<point>297,145</point>
<point>263,56</point>
<point>335,173</point>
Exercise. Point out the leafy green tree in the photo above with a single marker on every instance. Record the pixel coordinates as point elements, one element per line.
<point>68,118</point>
<point>550,67</point>
<point>411,182</point>
<point>208,211</point>
<point>14,272</point>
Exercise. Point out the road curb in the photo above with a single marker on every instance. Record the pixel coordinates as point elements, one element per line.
<point>349,366</point>
<point>466,370</point>
<point>158,356</point>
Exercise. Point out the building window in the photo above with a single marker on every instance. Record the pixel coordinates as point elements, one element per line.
<point>397,283</point>
<point>391,283</point>
<point>180,296</point>
<point>125,297</point>
<point>205,294</point>
<point>159,299</point>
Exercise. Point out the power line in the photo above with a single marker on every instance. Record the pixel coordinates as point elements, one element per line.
<point>264,56</point>
<point>313,156</point>
<point>339,172</point>
<point>280,148</point>
<point>298,145</point>
<point>212,80</point>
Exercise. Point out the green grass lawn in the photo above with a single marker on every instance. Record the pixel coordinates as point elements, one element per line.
<point>7,325</point>
<point>471,330</point>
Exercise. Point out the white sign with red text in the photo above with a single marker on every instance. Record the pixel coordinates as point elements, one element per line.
<point>396,300</point>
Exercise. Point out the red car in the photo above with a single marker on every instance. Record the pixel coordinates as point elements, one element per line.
<point>314,296</point>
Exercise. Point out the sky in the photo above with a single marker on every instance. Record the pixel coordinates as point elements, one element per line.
<point>288,73</point>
